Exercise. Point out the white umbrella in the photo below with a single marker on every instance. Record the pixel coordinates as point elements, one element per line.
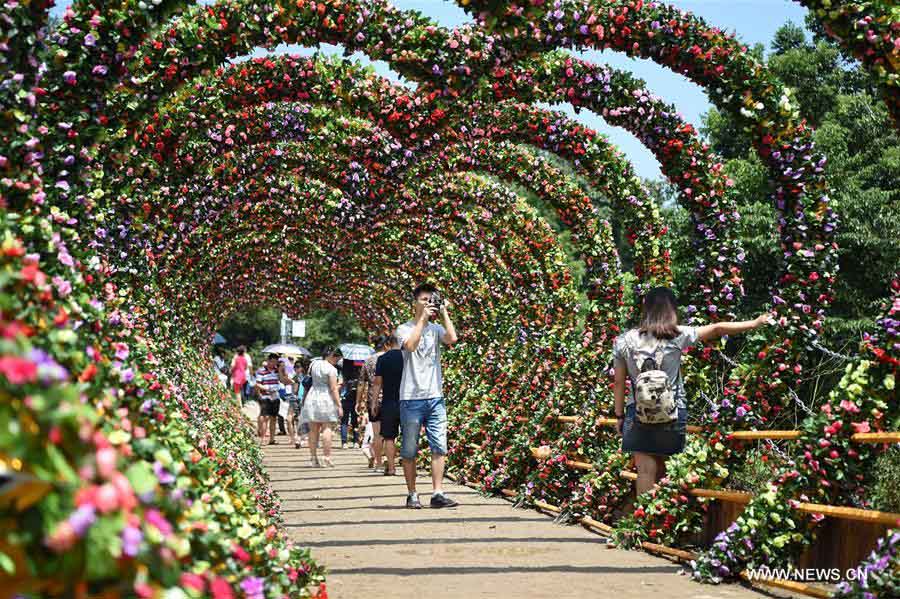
<point>355,351</point>
<point>286,349</point>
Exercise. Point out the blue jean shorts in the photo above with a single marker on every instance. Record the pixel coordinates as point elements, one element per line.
<point>416,412</point>
<point>657,439</point>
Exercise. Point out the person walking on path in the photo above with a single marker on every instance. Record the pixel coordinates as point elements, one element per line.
<point>267,379</point>
<point>370,402</point>
<point>322,406</point>
<point>421,390</point>
<point>652,419</point>
<point>240,366</point>
<point>386,385</point>
<point>350,427</point>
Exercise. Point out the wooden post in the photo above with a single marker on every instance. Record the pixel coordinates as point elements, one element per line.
<point>886,437</point>
<point>628,474</point>
<point>678,553</point>
<point>508,492</point>
<point>547,507</point>
<point>850,513</point>
<point>772,434</point>
<point>604,528</point>
<point>579,465</point>
<point>733,496</point>
<point>788,585</point>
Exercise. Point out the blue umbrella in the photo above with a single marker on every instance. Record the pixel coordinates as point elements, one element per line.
<point>219,340</point>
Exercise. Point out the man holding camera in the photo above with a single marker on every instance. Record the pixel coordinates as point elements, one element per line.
<point>421,390</point>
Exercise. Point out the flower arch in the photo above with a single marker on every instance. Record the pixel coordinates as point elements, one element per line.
<point>137,164</point>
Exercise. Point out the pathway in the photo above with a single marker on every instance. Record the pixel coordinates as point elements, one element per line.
<point>356,524</point>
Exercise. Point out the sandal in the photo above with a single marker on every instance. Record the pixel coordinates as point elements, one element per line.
<point>328,462</point>
<point>314,463</point>
<point>296,446</point>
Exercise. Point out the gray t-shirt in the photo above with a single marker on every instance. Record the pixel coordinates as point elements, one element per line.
<point>634,344</point>
<point>422,377</point>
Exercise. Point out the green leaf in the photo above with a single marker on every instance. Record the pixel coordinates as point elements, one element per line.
<point>7,564</point>
<point>141,476</point>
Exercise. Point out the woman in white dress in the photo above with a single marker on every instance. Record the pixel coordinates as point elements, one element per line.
<point>322,405</point>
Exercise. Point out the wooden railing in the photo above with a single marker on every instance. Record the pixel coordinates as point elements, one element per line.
<point>740,497</point>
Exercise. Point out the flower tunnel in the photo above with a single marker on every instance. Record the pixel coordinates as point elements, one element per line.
<point>153,184</point>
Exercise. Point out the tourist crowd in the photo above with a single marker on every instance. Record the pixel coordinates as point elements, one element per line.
<point>396,393</point>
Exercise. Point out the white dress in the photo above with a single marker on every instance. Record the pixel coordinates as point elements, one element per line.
<point>318,405</point>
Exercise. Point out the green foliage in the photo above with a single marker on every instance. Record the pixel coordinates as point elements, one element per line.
<point>886,491</point>
<point>753,473</point>
<point>329,328</point>
<point>252,326</point>
<point>258,327</point>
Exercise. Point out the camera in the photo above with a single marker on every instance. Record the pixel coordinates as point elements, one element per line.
<point>436,300</point>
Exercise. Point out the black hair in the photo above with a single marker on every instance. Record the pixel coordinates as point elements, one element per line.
<point>331,352</point>
<point>380,341</point>
<point>660,313</point>
<point>241,349</point>
<point>423,288</point>
<point>390,341</point>
<point>273,356</point>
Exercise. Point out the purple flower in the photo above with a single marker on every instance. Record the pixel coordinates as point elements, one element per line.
<point>90,41</point>
<point>253,587</point>
<point>49,370</point>
<point>131,541</point>
<point>70,77</point>
<point>82,518</point>
<point>165,477</point>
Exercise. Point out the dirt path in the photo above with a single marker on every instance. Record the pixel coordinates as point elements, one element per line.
<point>356,524</point>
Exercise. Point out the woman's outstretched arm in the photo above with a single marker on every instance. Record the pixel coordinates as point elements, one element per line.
<point>720,329</point>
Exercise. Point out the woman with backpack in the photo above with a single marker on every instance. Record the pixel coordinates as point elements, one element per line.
<point>653,418</point>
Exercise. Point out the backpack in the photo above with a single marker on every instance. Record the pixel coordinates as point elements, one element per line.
<point>654,397</point>
<point>306,383</point>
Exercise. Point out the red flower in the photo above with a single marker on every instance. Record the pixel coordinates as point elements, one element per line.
<point>240,553</point>
<point>88,373</point>
<point>18,370</point>
<point>220,589</point>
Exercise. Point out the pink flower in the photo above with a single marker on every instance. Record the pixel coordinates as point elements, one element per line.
<point>861,427</point>
<point>220,589</point>
<point>154,518</point>
<point>849,406</point>
<point>193,581</point>
<point>106,498</point>
<point>18,370</point>
<point>106,462</point>
<point>240,553</point>
<point>62,538</point>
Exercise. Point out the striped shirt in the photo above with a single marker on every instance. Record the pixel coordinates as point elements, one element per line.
<point>268,380</point>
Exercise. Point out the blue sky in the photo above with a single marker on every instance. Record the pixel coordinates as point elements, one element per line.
<point>754,21</point>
